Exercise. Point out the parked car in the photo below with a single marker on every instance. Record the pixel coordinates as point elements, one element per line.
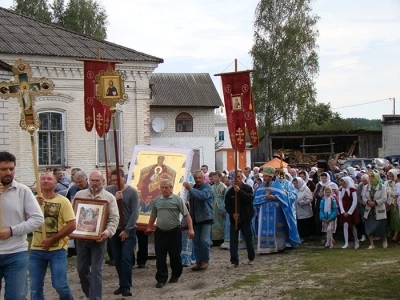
<point>363,162</point>
<point>393,158</point>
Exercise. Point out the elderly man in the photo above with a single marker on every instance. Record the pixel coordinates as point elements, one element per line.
<point>80,183</point>
<point>201,211</point>
<point>168,237</point>
<point>124,240</point>
<point>243,216</point>
<point>276,219</point>
<point>256,171</point>
<point>20,214</point>
<point>91,253</point>
<point>51,248</point>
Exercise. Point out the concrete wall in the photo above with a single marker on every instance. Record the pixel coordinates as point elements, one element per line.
<point>390,134</point>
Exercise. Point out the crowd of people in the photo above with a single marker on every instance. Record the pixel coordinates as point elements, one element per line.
<point>264,211</point>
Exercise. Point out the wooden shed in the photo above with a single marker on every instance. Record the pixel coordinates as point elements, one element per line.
<point>323,144</point>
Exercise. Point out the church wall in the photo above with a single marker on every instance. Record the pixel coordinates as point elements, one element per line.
<point>201,138</point>
<point>67,75</point>
<point>4,141</point>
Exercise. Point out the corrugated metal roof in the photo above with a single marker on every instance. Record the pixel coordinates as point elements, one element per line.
<point>17,30</point>
<point>183,89</point>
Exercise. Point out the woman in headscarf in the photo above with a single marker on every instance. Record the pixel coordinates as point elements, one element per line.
<point>304,175</point>
<point>375,198</point>
<point>361,205</point>
<point>304,213</point>
<point>348,210</point>
<point>393,218</point>
<point>324,180</point>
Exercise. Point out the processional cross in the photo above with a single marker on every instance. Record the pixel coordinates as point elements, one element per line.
<point>25,88</point>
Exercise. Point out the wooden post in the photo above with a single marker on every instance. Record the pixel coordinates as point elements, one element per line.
<point>113,111</point>
<point>236,172</point>
<point>32,130</point>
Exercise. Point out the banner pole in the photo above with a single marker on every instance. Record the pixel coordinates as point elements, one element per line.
<point>236,172</point>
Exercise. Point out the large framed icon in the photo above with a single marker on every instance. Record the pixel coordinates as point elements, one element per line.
<point>91,218</point>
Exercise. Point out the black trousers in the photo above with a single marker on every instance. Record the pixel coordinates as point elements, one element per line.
<point>143,247</point>
<point>168,242</point>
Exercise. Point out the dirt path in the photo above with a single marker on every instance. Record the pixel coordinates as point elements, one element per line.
<point>216,282</point>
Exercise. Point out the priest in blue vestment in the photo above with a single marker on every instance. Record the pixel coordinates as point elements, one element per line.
<point>276,219</point>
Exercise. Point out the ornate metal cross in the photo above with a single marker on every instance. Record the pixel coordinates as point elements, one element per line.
<point>25,88</point>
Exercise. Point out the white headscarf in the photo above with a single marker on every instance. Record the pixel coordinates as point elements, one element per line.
<point>289,177</point>
<point>351,170</point>
<point>301,184</point>
<point>394,172</point>
<point>349,184</point>
<point>328,182</point>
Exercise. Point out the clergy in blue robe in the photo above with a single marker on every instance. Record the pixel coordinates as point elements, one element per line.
<point>276,218</point>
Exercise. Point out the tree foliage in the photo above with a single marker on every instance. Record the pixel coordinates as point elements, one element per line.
<point>285,60</point>
<point>362,123</point>
<point>87,17</point>
<point>38,9</point>
<point>317,117</point>
<point>82,16</point>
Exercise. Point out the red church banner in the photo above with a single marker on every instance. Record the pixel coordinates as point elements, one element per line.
<point>96,114</point>
<point>239,107</point>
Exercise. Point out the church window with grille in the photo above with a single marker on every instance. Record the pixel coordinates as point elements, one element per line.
<point>51,138</point>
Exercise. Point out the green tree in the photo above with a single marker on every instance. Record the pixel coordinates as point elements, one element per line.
<point>285,60</point>
<point>38,9</point>
<point>87,17</point>
<point>58,9</point>
<point>81,16</point>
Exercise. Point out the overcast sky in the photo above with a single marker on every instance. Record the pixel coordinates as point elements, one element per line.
<point>359,43</point>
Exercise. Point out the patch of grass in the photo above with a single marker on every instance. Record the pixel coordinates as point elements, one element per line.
<point>350,274</point>
<point>317,273</point>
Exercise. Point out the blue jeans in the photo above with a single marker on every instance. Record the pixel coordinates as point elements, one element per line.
<point>202,242</point>
<point>38,262</point>
<point>89,262</point>
<point>123,252</point>
<point>14,267</point>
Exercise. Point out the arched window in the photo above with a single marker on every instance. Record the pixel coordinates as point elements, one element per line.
<point>184,123</point>
<point>51,138</point>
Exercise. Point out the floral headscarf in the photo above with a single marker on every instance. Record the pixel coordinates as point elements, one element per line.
<point>377,179</point>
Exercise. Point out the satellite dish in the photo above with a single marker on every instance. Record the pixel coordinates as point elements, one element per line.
<point>158,124</point>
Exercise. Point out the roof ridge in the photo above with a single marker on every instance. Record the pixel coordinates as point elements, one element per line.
<point>160,60</point>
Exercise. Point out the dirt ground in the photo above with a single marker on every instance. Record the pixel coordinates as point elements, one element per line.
<point>192,285</point>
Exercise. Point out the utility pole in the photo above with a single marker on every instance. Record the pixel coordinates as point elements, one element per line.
<point>394,105</point>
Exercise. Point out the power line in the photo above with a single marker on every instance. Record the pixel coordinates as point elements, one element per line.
<point>362,103</point>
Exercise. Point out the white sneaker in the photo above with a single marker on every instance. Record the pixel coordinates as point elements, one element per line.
<point>225,245</point>
<point>345,246</point>
<point>385,244</point>
<point>363,238</point>
<point>377,238</point>
<point>356,244</point>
